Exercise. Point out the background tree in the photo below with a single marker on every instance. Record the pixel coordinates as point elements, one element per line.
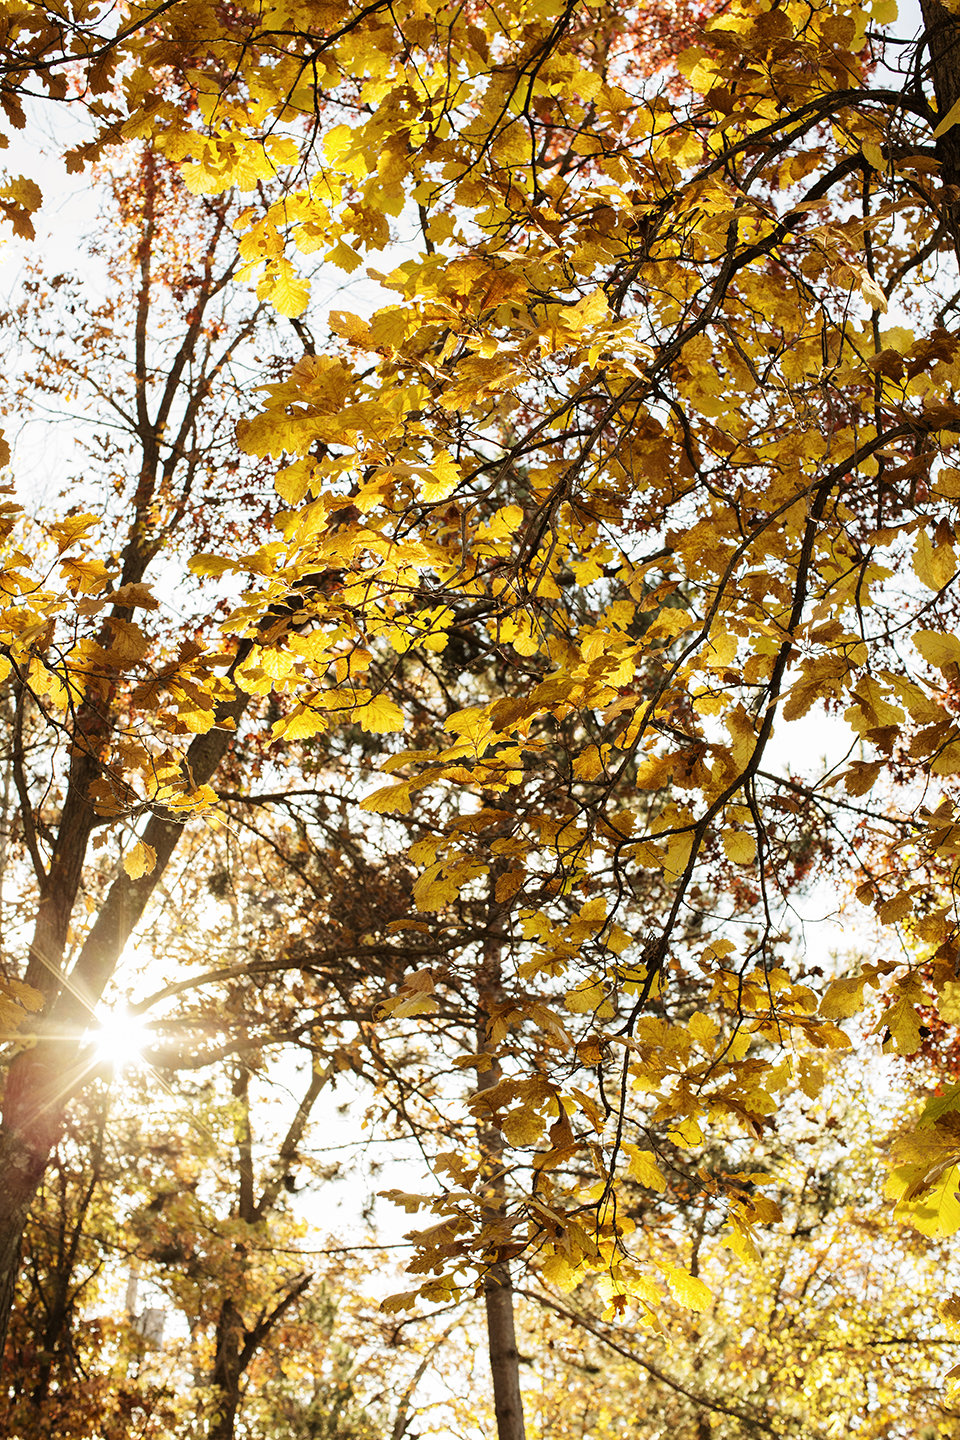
<point>164,357</point>
<point>817,1329</point>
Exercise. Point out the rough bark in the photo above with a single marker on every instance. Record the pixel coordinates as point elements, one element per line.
<point>943,44</point>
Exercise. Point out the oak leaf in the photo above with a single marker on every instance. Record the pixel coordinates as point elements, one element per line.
<point>689,1291</point>
<point>139,860</point>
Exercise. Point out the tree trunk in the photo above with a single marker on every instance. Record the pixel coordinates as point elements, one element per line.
<point>40,1081</point>
<point>227,1371</point>
<point>497,1285</point>
<point>236,1345</point>
<point>504,1356</point>
<point>943,42</point>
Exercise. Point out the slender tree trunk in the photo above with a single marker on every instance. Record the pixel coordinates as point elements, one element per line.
<point>40,1081</point>
<point>58,1321</point>
<point>236,1345</point>
<point>497,1285</point>
<point>504,1355</point>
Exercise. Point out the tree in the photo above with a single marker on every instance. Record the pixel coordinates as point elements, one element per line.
<point>816,1331</point>
<point>147,1209</point>
<point>81,671</point>
<point>672,327</point>
<point>143,424</point>
<point>638,428</point>
<point>71,1370</point>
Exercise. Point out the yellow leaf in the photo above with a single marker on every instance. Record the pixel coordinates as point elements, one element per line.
<point>140,860</point>
<point>87,576</point>
<point>416,997</point>
<point>688,1291</point>
<point>447,475</point>
<point>903,1022</point>
<point>587,766</point>
<point>350,326</point>
<point>804,691</point>
<point>688,1132</point>
<point>843,999</point>
<point>586,998</point>
<point>741,1242</point>
<point>898,908</point>
<point>434,889</point>
<point>522,1127</point>
<point>951,118</point>
<point>935,566</point>
<point>389,799</point>
<point>704,1030</point>
<point>210,565</point>
<point>508,885</point>
<point>589,311</point>
<point>949,1311</point>
<point>872,293</point>
<point>412,1005</point>
<point>286,291</point>
<point>75,527</point>
<point>129,643</point>
<point>302,724</point>
<point>195,719</point>
<point>134,595</point>
<point>861,776</point>
<point>947,482</point>
<point>936,1211</point>
<point>337,142</point>
<point>380,717</point>
<point>940,650</point>
<point>556,1270</point>
<point>722,650</point>
<point>938,1106</point>
<point>25,995</point>
<point>643,1167</point>
<point>739,846</point>
<point>670,622</point>
<point>293,481</point>
<point>948,1002</point>
<point>505,522</point>
<point>343,257</point>
<point>24,192</point>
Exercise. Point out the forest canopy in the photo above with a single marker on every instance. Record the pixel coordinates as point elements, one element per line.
<point>413,718</point>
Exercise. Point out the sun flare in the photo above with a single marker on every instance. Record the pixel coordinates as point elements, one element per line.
<point>119,1039</point>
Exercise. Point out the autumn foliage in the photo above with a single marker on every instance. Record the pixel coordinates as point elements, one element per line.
<point>505,609</point>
